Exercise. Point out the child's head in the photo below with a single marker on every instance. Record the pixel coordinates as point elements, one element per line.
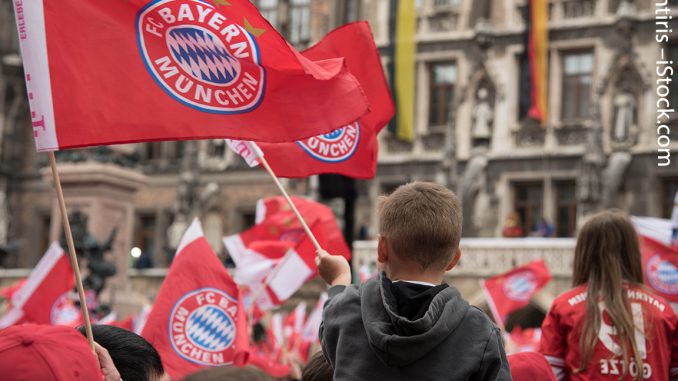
<point>317,369</point>
<point>420,227</point>
<point>607,253</point>
<point>607,248</point>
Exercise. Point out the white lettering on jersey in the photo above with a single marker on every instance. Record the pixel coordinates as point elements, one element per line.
<point>615,367</point>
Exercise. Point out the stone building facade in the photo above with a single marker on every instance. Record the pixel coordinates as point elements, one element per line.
<point>597,149</point>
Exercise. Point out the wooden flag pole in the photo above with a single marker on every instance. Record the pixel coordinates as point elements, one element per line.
<point>71,250</point>
<point>263,161</point>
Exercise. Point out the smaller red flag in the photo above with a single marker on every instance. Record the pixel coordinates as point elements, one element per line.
<point>310,210</point>
<point>44,298</point>
<point>513,290</point>
<point>352,149</point>
<point>660,267</point>
<point>290,273</point>
<point>198,319</point>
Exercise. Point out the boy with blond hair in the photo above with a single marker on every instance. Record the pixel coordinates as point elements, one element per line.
<point>407,324</point>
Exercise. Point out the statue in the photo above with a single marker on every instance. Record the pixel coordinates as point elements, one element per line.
<point>482,118</point>
<point>625,108</point>
<point>87,247</point>
<point>189,204</point>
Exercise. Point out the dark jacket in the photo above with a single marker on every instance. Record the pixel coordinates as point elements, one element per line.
<point>364,338</point>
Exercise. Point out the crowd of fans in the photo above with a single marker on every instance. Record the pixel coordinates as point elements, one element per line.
<point>407,324</point>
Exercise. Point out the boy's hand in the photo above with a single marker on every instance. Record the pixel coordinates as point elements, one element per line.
<point>334,269</point>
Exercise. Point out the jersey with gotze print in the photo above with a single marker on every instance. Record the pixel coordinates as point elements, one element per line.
<point>656,337</point>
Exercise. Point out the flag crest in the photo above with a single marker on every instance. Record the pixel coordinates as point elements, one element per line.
<point>197,319</point>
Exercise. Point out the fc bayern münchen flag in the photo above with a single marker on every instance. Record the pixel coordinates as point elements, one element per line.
<point>352,149</point>
<point>44,297</point>
<point>513,290</point>
<point>106,72</point>
<point>198,319</point>
<point>660,267</point>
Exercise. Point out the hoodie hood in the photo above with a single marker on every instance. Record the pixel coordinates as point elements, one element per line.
<point>395,339</point>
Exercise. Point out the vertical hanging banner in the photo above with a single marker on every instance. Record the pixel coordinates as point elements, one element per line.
<point>537,51</point>
<point>107,72</point>
<point>403,49</point>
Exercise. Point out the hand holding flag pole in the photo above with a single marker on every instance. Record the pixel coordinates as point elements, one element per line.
<point>71,250</point>
<point>253,155</point>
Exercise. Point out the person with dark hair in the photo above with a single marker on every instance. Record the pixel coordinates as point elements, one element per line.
<point>228,373</point>
<point>317,369</point>
<point>133,356</point>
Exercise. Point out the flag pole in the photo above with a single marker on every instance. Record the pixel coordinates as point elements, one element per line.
<point>71,250</point>
<point>264,163</point>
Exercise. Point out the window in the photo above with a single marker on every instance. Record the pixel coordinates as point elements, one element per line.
<point>300,15</point>
<point>153,150</point>
<point>524,86</point>
<point>566,208</point>
<point>247,220</point>
<point>216,148</point>
<point>578,8</point>
<point>443,77</point>
<point>669,189</point>
<point>577,78</point>
<point>145,233</point>
<point>445,3</point>
<point>349,10</point>
<point>45,224</point>
<point>269,9</point>
<point>528,204</point>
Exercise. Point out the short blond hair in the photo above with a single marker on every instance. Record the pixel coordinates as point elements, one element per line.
<point>422,222</point>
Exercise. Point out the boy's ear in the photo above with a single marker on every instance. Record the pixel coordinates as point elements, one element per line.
<point>382,249</point>
<point>455,260</point>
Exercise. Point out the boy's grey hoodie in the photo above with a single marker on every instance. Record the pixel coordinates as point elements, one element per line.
<point>364,339</point>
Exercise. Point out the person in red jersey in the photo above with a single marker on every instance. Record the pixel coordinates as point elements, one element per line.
<point>610,326</point>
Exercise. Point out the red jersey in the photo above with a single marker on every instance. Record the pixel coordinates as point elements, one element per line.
<point>657,338</point>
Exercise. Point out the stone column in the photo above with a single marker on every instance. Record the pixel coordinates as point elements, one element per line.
<point>105,193</point>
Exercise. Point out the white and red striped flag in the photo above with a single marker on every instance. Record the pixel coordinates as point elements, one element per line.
<point>45,297</point>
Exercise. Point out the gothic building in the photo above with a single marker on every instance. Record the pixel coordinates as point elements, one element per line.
<point>597,149</point>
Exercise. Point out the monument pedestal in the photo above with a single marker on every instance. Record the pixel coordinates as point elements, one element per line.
<point>105,194</point>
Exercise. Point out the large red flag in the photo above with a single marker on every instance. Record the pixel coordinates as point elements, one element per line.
<point>660,267</point>
<point>198,319</point>
<point>44,298</point>
<point>513,290</point>
<point>105,72</point>
<point>352,149</point>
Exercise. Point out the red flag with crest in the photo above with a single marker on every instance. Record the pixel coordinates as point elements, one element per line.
<point>513,290</point>
<point>198,319</point>
<point>352,149</point>
<point>660,267</point>
<point>45,296</point>
<point>107,72</point>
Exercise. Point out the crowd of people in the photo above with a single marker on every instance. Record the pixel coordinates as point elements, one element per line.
<point>408,324</point>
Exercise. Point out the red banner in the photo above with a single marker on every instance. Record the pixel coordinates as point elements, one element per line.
<point>198,319</point>
<point>513,290</point>
<point>660,268</point>
<point>45,296</point>
<point>107,72</point>
<point>352,149</point>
